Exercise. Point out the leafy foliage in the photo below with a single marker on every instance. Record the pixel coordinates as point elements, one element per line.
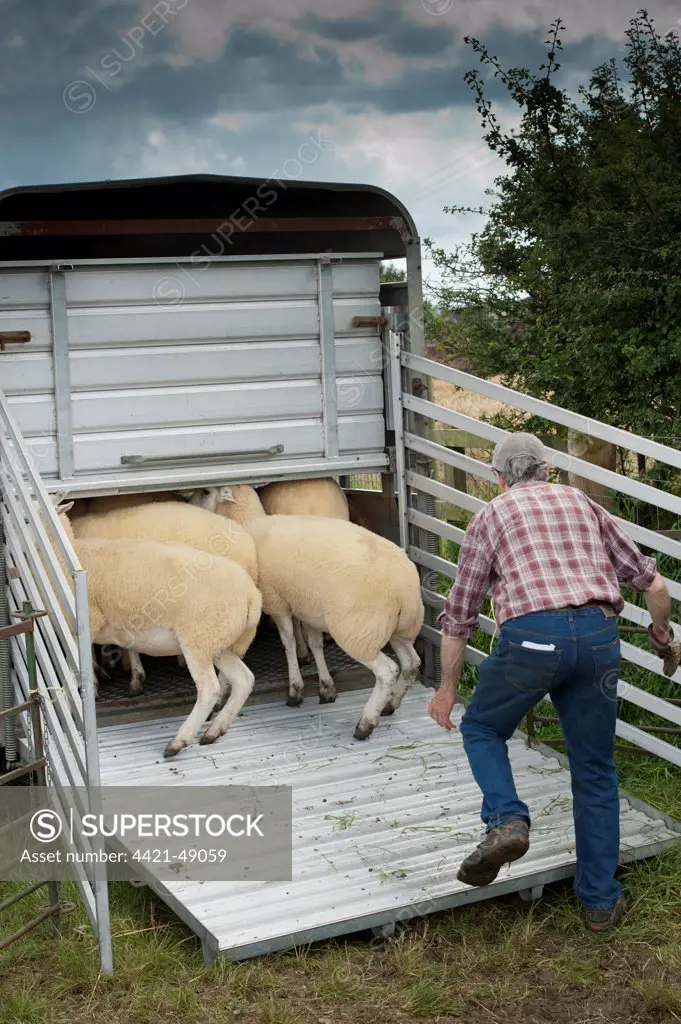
<point>572,291</point>
<point>389,272</point>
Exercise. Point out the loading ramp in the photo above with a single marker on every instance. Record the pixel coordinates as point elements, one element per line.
<point>380,827</point>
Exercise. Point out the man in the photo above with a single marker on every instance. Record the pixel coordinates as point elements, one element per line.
<point>550,557</point>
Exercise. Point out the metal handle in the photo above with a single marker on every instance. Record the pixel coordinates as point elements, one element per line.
<point>13,338</point>
<point>369,321</point>
<point>191,460</point>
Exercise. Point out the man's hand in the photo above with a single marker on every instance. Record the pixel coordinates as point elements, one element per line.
<point>669,649</point>
<point>441,706</point>
<point>452,653</point>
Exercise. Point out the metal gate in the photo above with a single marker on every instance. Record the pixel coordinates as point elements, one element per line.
<point>422,533</point>
<point>31,573</point>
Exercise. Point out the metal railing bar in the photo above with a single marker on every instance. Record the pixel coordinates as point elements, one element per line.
<point>26,769</point>
<point>72,753</point>
<point>450,457</point>
<point>430,561</point>
<point>41,553</point>
<point>444,491</point>
<point>652,744</point>
<point>47,508</point>
<point>643,492</point>
<point>52,911</point>
<point>11,900</point>
<point>539,407</point>
<point>656,705</point>
<point>50,658</point>
<point>444,530</point>
<point>6,632</point>
<point>38,589</point>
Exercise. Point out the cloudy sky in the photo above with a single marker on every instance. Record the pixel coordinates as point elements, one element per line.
<point>93,89</point>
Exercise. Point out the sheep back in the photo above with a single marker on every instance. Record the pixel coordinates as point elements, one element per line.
<point>175,523</point>
<point>321,497</point>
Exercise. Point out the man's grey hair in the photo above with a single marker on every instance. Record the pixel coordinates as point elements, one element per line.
<point>521,458</point>
<point>522,469</point>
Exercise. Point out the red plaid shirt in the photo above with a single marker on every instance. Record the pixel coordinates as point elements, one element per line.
<point>540,546</point>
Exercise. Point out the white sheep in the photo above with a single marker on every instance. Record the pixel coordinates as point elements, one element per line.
<point>114,502</point>
<point>162,599</point>
<point>172,522</point>
<point>316,497</point>
<point>338,578</point>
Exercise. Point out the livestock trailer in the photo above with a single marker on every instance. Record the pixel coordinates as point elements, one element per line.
<point>177,333</point>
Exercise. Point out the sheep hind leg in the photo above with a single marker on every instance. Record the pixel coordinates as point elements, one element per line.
<point>295,680</point>
<point>410,664</point>
<point>327,687</point>
<point>239,675</point>
<point>302,649</point>
<point>207,693</point>
<point>386,673</point>
<point>225,691</point>
<point>137,674</point>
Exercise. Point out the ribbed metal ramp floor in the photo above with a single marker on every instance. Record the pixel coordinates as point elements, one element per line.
<point>380,827</point>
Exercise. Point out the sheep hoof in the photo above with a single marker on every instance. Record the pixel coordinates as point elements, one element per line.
<point>363,730</point>
<point>174,747</point>
<point>294,700</point>
<point>327,698</point>
<point>389,709</point>
<point>208,738</point>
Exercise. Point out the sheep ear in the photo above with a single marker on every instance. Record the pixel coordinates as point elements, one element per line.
<point>66,507</point>
<point>225,494</point>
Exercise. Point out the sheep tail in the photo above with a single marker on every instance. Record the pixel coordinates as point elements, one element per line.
<point>411,614</point>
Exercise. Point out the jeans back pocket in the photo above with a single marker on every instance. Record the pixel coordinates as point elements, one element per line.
<point>532,670</point>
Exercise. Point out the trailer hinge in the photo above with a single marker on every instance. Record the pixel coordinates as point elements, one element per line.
<point>391,452</point>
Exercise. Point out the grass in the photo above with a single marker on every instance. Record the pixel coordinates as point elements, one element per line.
<point>481,963</point>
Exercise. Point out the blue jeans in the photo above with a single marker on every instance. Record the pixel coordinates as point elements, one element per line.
<point>581,677</point>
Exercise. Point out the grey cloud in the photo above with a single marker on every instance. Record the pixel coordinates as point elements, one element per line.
<point>389,26</point>
<point>256,72</point>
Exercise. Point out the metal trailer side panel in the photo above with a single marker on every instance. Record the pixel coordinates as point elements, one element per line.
<point>194,359</point>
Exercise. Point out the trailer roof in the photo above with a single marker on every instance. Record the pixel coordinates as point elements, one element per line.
<point>176,216</point>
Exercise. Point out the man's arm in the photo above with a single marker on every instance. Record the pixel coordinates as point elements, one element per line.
<point>631,565</point>
<point>460,617</point>
<point>638,571</point>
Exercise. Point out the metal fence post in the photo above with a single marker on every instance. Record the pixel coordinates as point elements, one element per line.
<point>6,687</point>
<point>87,689</point>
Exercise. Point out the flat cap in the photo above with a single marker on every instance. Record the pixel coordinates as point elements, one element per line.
<point>517,445</point>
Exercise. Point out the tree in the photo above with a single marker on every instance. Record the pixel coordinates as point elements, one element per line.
<point>392,273</point>
<point>572,290</point>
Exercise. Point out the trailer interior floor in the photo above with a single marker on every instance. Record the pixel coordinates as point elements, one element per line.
<point>380,826</point>
<point>170,689</point>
